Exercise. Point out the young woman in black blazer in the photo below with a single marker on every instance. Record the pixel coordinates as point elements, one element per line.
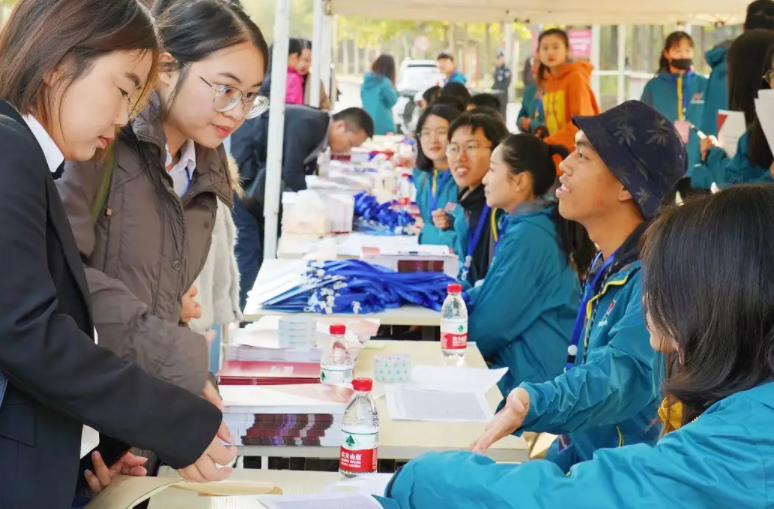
<point>71,73</point>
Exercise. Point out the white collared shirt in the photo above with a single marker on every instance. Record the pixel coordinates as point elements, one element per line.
<point>55,158</point>
<point>182,171</point>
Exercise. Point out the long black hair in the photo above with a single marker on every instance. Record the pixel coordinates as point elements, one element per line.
<point>446,112</point>
<point>746,67</point>
<point>558,32</point>
<point>526,153</point>
<point>192,30</point>
<point>757,147</point>
<point>719,314</point>
<point>672,40</point>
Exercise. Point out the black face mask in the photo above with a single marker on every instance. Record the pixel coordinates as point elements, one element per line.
<point>681,64</point>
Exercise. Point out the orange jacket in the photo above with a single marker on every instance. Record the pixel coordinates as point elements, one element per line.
<point>568,94</point>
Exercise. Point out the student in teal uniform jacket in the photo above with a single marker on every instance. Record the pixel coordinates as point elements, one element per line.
<point>760,15</point>
<point>530,115</point>
<point>472,138</point>
<point>678,93</point>
<point>751,59</point>
<point>626,161</point>
<point>522,314</point>
<point>435,186</point>
<point>717,444</point>
<point>378,94</point>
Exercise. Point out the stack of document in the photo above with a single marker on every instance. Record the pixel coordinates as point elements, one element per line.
<point>260,340</point>
<point>444,394</point>
<point>285,415</point>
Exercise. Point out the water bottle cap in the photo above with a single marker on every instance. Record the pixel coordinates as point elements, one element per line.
<point>362,384</point>
<point>338,329</point>
<point>454,288</point>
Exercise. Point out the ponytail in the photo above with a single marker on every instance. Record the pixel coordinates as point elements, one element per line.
<point>524,152</point>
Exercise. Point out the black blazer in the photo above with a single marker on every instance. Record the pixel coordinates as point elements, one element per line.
<point>305,130</point>
<point>58,378</point>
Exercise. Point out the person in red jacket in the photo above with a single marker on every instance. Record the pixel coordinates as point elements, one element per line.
<point>568,90</point>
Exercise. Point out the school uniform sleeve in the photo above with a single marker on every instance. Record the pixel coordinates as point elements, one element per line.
<point>615,383</point>
<point>461,243</point>
<point>647,94</point>
<point>580,101</point>
<point>740,170</point>
<point>503,305</point>
<point>690,464</point>
<point>388,95</point>
<point>527,104</point>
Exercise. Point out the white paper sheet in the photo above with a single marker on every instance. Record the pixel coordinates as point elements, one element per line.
<point>342,500</point>
<point>764,108</point>
<point>733,126</point>
<point>407,404</point>
<point>455,379</point>
<point>372,484</point>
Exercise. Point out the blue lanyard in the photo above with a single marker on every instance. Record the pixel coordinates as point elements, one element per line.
<point>438,185</point>
<point>473,238</point>
<point>580,321</point>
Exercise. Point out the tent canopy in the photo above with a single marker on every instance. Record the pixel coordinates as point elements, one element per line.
<point>570,12</point>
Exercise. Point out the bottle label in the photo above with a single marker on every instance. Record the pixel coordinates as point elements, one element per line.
<point>359,452</point>
<point>454,334</point>
<point>336,374</point>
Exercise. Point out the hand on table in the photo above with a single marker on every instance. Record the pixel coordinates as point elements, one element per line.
<point>441,220</point>
<point>128,464</point>
<point>206,467</point>
<point>506,422</point>
<point>191,309</point>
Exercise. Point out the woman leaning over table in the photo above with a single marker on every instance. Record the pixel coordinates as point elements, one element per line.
<point>71,72</point>
<point>143,220</point>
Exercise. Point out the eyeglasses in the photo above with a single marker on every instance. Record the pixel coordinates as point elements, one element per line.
<point>438,133</point>
<point>470,149</point>
<point>768,76</point>
<point>227,98</point>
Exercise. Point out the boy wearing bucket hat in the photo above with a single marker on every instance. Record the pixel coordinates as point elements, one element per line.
<point>625,162</point>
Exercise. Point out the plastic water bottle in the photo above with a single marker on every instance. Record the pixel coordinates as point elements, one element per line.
<point>454,325</point>
<point>337,363</point>
<point>360,428</point>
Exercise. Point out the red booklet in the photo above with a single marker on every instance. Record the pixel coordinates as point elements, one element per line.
<point>269,373</point>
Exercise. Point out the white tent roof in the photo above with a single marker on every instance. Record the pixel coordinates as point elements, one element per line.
<point>571,12</point>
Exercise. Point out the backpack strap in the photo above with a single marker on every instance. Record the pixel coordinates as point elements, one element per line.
<point>104,186</point>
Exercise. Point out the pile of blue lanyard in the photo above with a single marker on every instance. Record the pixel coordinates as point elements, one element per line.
<point>355,286</point>
<point>380,219</point>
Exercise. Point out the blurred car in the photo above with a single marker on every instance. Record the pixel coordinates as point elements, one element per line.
<point>415,76</point>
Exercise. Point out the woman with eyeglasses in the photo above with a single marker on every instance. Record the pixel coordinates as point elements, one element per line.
<point>436,189</point>
<point>750,63</point>
<point>472,138</point>
<point>143,216</point>
<point>73,71</point>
